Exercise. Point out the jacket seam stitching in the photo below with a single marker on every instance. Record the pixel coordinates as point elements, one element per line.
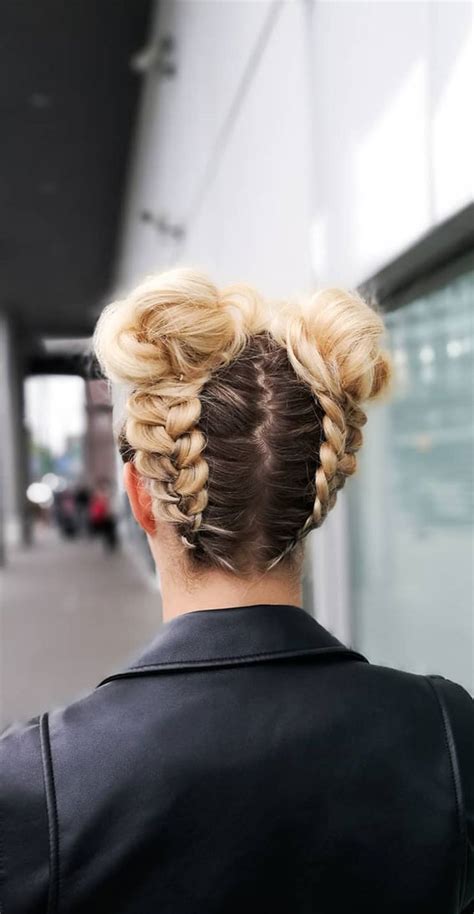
<point>52,811</point>
<point>457,786</point>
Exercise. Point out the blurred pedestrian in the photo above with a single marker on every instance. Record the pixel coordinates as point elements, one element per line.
<point>83,497</point>
<point>65,513</point>
<point>102,516</point>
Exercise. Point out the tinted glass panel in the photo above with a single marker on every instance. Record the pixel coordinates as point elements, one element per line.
<point>412,501</point>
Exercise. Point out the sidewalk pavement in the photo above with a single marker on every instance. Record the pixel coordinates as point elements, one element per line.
<point>70,614</point>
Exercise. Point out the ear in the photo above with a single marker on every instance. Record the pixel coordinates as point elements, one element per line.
<point>139,498</point>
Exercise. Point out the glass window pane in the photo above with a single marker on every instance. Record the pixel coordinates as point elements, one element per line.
<point>412,499</point>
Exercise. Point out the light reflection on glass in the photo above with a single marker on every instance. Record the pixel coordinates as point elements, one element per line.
<point>412,499</point>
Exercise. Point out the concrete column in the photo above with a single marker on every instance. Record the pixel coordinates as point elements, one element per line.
<point>14,526</point>
<point>100,448</point>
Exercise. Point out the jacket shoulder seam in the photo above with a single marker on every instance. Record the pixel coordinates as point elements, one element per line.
<point>52,812</point>
<point>457,784</point>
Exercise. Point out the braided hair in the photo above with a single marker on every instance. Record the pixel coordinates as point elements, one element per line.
<point>244,417</point>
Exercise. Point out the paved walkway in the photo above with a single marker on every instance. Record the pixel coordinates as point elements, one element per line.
<point>69,615</point>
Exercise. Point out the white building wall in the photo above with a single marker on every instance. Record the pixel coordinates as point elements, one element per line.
<point>393,128</point>
<point>301,142</point>
<point>227,147</point>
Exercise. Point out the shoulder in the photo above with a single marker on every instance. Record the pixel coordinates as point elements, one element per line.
<point>24,827</point>
<point>456,706</point>
<point>457,712</point>
<point>456,709</point>
<point>21,768</point>
<point>432,717</point>
<point>431,701</point>
<point>49,765</point>
<point>443,698</point>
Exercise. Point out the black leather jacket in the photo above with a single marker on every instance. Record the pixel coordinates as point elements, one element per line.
<point>248,762</point>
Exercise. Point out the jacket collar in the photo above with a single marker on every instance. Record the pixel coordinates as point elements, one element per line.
<point>235,636</point>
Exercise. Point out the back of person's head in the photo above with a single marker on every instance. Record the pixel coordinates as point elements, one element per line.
<point>243,417</point>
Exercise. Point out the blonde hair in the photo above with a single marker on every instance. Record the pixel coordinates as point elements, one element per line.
<point>244,416</point>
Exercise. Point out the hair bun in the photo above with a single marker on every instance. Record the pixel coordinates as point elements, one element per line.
<point>173,325</point>
<point>333,343</point>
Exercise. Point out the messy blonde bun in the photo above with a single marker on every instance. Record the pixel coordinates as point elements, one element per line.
<point>234,404</point>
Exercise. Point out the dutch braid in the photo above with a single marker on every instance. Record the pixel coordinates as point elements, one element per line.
<point>332,340</point>
<point>168,447</point>
<point>164,342</point>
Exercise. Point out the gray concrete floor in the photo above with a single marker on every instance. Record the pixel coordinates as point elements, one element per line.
<point>69,615</point>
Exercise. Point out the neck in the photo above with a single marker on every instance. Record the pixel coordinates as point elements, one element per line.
<point>184,591</point>
<point>218,590</point>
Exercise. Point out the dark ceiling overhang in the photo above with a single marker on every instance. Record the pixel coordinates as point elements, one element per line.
<point>68,105</point>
